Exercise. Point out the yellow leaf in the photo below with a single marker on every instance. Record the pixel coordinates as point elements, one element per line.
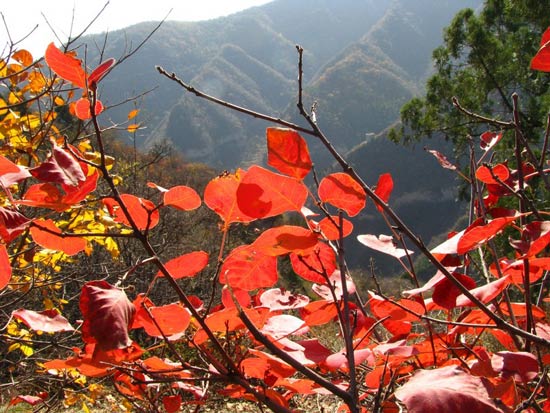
<point>37,82</point>
<point>26,350</point>
<point>59,101</point>
<point>3,104</point>
<point>23,56</point>
<point>13,347</point>
<point>133,113</point>
<point>85,408</point>
<point>133,127</point>
<point>3,68</point>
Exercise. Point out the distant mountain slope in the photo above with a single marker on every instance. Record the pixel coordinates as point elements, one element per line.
<point>363,59</point>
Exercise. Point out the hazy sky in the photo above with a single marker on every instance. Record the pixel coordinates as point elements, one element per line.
<point>21,16</point>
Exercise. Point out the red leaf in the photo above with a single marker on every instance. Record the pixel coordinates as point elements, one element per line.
<point>29,399</point>
<point>107,315</point>
<point>11,178</point>
<point>522,366</point>
<point>384,187</point>
<point>7,166</point>
<point>248,269</point>
<point>319,312</point>
<point>446,292</point>
<point>316,265</point>
<point>182,197</point>
<point>383,308</point>
<point>330,227</point>
<point>44,232</point>
<point>82,108</point>
<point>541,61</point>
<point>44,196</point>
<point>143,211</point>
<point>220,195</point>
<point>263,193</point>
<point>476,235</point>
<point>431,283</point>
<point>445,390</point>
<point>12,223</point>
<point>442,159</point>
<point>285,239</point>
<point>277,299</point>
<point>48,321</point>
<point>343,192</point>
<point>339,361</point>
<point>61,167</point>
<point>100,71</point>
<point>5,267</point>
<point>172,403</point>
<point>65,66</point>
<point>77,194</point>
<point>229,297</point>
<point>489,139</point>
<point>485,293</point>
<point>488,175</point>
<point>171,319</point>
<point>384,243</point>
<point>287,152</point>
<point>186,265</point>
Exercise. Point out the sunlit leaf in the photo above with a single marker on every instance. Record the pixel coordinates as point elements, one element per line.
<point>285,239</point>
<point>263,193</point>
<point>23,56</point>
<point>142,211</point>
<point>100,71</point>
<point>182,197</point>
<point>48,321</point>
<point>446,389</point>
<point>248,269</point>
<point>287,152</point>
<point>383,243</point>
<point>484,293</point>
<point>278,299</point>
<point>493,175</point>
<point>316,265</point>
<point>220,195</point>
<point>132,114</point>
<point>330,227</point>
<point>5,267</point>
<point>342,191</point>
<point>166,320</point>
<point>477,235</point>
<point>61,167</point>
<point>489,139</point>
<point>186,265</point>
<point>7,166</point>
<point>171,403</point>
<point>384,188</point>
<point>82,108</point>
<point>522,366</point>
<point>65,66</point>
<point>445,292</point>
<point>442,159</point>
<point>46,234</point>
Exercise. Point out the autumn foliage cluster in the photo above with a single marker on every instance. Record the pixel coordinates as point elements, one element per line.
<point>475,337</point>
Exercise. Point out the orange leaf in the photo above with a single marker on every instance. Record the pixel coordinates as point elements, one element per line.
<point>330,227</point>
<point>263,193</point>
<point>182,197</point>
<point>7,166</point>
<point>23,56</point>
<point>5,267</point>
<point>318,312</point>
<point>488,175</point>
<point>285,239</point>
<point>220,195</point>
<point>317,265</point>
<point>248,269</point>
<point>82,108</point>
<point>343,192</point>
<point>477,235</point>
<point>384,187</point>
<point>132,114</point>
<point>186,265</point>
<point>170,319</point>
<point>44,233</point>
<point>143,211</point>
<point>65,66</point>
<point>287,152</point>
